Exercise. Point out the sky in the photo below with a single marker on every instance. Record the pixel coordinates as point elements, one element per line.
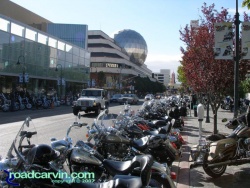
<point>158,21</point>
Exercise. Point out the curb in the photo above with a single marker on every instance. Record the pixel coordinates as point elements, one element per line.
<point>181,167</point>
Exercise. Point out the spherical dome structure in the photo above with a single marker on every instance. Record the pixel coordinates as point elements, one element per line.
<point>133,44</point>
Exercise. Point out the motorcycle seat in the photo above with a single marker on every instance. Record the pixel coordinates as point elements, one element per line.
<point>148,132</point>
<point>141,143</point>
<point>119,181</point>
<point>158,123</point>
<point>128,181</point>
<point>117,167</point>
<point>162,136</point>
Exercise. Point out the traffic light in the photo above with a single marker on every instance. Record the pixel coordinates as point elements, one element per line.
<point>153,75</point>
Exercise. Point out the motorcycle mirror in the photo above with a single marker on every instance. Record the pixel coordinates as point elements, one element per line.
<point>224,120</point>
<point>107,111</point>
<point>53,139</point>
<point>28,119</point>
<point>79,116</point>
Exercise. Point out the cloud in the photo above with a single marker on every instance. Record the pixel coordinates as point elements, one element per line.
<point>155,62</point>
<point>240,10</point>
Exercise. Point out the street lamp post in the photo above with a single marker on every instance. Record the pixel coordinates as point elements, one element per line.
<point>236,65</point>
<point>60,79</point>
<point>120,78</point>
<point>18,63</point>
<point>91,77</point>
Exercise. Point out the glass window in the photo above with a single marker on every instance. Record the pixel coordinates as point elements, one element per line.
<point>42,38</point>
<point>4,37</point>
<point>4,25</point>
<point>75,59</point>
<point>68,48</point>
<point>17,29</point>
<point>30,46</point>
<point>81,61</point>
<point>61,55</point>
<point>52,42</point>
<point>87,62</point>
<point>75,51</point>
<point>52,62</point>
<point>82,53</point>
<point>30,57</point>
<point>17,42</point>
<point>61,45</point>
<point>68,64</point>
<point>87,55</point>
<point>30,34</point>
<point>68,57</point>
<point>53,52</point>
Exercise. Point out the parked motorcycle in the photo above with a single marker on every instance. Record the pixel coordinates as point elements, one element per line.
<point>114,145</point>
<point>29,165</point>
<point>215,156</point>
<point>82,157</point>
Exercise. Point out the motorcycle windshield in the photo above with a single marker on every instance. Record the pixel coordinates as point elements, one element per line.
<point>105,120</point>
<point>24,141</point>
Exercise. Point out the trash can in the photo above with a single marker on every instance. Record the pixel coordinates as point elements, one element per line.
<point>195,110</point>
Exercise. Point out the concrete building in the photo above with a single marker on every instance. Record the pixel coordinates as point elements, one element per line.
<point>108,57</point>
<point>163,76</point>
<point>81,56</point>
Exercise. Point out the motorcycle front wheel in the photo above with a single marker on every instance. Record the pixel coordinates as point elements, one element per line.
<point>214,172</point>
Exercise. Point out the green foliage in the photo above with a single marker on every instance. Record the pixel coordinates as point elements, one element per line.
<point>245,84</point>
<point>246,3</point>
<point>146,85</point>
<point>181,76</point>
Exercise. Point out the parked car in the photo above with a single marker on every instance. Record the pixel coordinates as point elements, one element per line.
<point>130,98</point>
<point>115,98</point>
<point>148,97</point>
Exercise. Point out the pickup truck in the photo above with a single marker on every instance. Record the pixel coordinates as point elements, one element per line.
<point>91,99</point>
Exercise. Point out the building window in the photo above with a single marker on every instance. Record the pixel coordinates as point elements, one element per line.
<point>17,29</point>
<point>4,25</point>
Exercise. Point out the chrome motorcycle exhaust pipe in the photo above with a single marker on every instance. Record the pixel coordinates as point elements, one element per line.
<point>231,162</point>
<point>195,165</point>
<point>220,164</point>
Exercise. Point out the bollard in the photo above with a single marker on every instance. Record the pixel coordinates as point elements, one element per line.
<point>200,111</point>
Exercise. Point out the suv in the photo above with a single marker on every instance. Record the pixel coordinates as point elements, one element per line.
<point>91,99</point>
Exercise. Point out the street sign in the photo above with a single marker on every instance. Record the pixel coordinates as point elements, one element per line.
<point>21,77</point>
<point>26,78</point>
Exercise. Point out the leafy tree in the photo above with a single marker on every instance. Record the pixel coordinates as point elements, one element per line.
<point>101,78</point>
<point>181,76</point>
<point>245,84</point>
<point>246,3</point>
<point>145,85</point>
<point>203,73</point>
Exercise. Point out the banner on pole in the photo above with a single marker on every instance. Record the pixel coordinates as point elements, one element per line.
<point>223,40</point>
<point>245,40</point>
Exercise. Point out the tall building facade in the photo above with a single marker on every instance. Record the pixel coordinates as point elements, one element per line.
<point>39,54</point>
<point>163,76</point>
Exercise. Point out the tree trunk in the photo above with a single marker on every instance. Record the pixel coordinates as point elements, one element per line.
<point>215,122</point>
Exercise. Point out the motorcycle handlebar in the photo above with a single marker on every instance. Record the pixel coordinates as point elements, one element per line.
<point>75,124</point>
<point>29,134</point>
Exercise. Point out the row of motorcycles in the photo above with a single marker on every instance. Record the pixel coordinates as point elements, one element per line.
<point>26,102</point>
<point>121,150</point>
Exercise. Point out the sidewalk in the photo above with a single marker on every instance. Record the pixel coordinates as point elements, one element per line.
<point>235,176</point>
